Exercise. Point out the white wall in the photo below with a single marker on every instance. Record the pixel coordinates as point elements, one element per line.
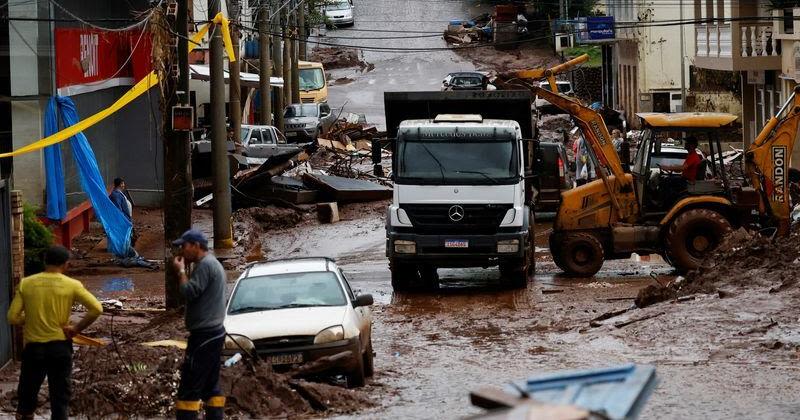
<point>660,47</point>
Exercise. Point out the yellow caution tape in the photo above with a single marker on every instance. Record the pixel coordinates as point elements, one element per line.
<point>137,90</point>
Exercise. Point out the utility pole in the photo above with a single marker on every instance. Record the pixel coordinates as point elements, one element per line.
<point>177,168</point>
<point>265,67</point>
<point>223,237</point>
<point>277,66</point>
<point>301,17</point>
<point>287,58</point>
<point>293,50</point>
<point>234,68</point>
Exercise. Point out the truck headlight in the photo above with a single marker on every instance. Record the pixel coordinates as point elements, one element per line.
<point>405,247</point>
<point>310,125</point>
<point>329,335</point>
<point>509,217</point>
<point>402,217</point>
<point>508,246</point>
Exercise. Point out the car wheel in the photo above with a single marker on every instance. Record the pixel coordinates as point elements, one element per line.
<point>369,366</point>
<point>357,378</point>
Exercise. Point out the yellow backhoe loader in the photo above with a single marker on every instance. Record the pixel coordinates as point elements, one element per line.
<point>622,212</point>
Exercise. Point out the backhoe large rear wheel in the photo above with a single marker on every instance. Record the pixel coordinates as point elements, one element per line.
<point>578,254</point>
<point>693,236</point>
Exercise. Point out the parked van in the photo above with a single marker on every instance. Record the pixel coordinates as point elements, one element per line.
<point>313,85</point>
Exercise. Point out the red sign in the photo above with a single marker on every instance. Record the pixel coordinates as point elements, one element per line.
<point>91,59</point>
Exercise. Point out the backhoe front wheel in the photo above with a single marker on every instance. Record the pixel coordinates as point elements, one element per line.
<point>578,254</point>
<point>693,236</point>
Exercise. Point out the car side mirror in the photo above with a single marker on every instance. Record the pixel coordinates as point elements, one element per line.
<point>324,114</point>
<point>363,300</point>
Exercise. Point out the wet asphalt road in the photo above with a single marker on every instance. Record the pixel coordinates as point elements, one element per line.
<point>395,71</point>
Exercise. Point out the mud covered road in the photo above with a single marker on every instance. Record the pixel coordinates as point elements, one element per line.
<point>433,348</point>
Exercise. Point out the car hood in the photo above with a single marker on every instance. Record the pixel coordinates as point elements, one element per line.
<point>302,120</point>
<point>281,322</point>
<point>343,12</point>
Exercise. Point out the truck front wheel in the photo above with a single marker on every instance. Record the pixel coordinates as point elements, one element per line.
<point>515,273</point>
<point>693,236</point>
<point>403,275</point>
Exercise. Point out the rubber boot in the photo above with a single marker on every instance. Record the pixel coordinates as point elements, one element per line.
<point>215,408</point>
<point>187,410</point>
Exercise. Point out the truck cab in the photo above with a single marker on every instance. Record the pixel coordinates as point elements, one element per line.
<point>459,199</point>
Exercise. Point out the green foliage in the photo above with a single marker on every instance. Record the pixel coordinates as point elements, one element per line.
<point>595,54</point>
<point>550,10</point>
<point>37,239</point>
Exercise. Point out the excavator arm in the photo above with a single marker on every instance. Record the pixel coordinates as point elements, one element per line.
<point>767,162</point>
<point>594,131</point>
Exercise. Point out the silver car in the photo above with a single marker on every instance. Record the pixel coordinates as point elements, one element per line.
<point>263,141</point>
<point>306,122</point>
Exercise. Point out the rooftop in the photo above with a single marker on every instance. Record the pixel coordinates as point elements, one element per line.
<point>687,119</point>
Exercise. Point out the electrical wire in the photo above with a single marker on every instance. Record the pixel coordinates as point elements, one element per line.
<point>92,25</point>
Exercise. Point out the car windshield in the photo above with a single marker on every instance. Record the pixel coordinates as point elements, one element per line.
<point>464,162</point>
<point>291,290</point>
<point>311,79</point>
<point>305,110</point>
<point>245,132</point>
<point>338,5</point>
<point>466,81</point>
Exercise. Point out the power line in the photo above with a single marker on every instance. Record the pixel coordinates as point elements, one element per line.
<point>92,25</point>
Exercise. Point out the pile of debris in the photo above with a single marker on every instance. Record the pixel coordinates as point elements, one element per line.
<point>745,259</point>
<point>464,32</point>
<point>129,379</point>
<point>340,58</point>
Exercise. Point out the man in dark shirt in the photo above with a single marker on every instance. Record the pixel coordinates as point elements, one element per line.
<point>204,292</point>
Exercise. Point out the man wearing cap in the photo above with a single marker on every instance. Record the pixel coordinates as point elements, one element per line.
<point>204,292</point>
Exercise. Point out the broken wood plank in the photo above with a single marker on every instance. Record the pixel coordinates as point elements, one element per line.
<point>490,397</point>
<point>323,364</point>
<point>595,322</point>
<point>631,321</point>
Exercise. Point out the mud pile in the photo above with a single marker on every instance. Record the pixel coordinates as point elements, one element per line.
<point>744,260</point>
<point>339,58</point>
<point>128,379</point>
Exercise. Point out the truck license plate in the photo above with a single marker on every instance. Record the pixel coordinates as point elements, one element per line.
<point>290,134</point>
<point>285,359</point>
<point>455,243</point>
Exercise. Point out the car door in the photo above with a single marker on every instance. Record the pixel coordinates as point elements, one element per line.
<point>254,144</point>
<point>270,145</point>
<point>363,313</point>
<point>326,116</point>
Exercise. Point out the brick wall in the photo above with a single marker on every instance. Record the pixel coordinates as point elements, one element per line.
<point>17,262</point>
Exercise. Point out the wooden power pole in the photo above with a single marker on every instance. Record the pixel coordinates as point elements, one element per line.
<point>177,166</point>
<point>265,66</point>
<point>235,94</point>
<point>223,235</point>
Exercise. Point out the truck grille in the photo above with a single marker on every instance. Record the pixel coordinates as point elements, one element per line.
<point>479,219</point>
<point>293,126</point>
<point>284,342</point>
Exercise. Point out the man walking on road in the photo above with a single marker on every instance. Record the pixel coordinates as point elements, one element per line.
<point>204,292</point>
<point>42,305</point>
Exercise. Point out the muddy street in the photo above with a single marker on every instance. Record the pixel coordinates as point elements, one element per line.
<point>433,348</point>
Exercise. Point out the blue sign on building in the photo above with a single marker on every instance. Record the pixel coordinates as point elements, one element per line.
<point>600,27</point>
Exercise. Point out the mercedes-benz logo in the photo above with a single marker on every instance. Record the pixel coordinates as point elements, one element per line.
<point>456,213</point>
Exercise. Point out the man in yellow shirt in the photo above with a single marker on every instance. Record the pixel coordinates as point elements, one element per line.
<point>43,304</point>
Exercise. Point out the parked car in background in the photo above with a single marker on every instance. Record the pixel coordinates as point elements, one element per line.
<point>263,141</point>
<point>466,80</point>
<point>306,122</point>
<point>339,13</point>
<point>542,106</point>
<point>552,175</point>
<point>298,310</point>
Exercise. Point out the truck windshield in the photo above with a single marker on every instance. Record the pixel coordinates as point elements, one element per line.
<point>311,79</point>
<point>457,162</point>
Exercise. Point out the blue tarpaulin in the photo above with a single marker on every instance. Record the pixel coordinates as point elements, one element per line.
<point>117,226</point>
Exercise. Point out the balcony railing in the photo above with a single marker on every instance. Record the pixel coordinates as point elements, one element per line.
<point>737,46</point>
<point>757,40</point>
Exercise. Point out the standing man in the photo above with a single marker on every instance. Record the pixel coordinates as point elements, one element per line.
<point>204,292</point>
<point>42,305</point>
<point>122,200</point>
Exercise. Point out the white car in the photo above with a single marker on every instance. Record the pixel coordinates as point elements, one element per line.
<point>542,105</point>
<point>299,310</point>
<point>339,13</point>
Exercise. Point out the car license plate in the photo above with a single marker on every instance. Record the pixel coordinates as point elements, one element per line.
<point>290,134</point>
<point>285,359</point>
<point>456,243</point>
